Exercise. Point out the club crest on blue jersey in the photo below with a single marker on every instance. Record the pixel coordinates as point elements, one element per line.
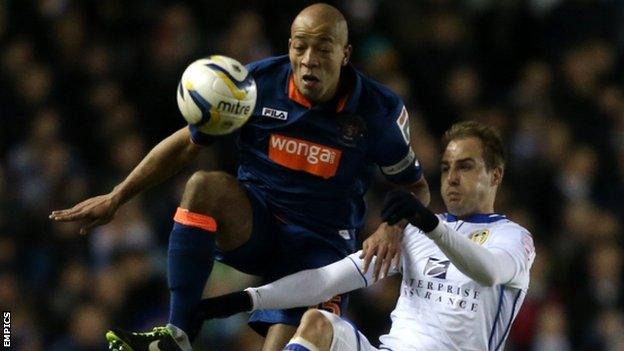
<point>436,268</point>
<point>351,127</point>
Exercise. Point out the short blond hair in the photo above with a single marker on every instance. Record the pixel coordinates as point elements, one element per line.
<point>491,142</point>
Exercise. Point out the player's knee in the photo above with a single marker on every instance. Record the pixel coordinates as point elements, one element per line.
<point>201,181</point>
<point>204,190</point>
<point>220,196</point>
<point>315,327</point>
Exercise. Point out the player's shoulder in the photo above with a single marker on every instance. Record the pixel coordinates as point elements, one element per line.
<point>378,91</point>
<point>378,99</point>
<point>509,227</point>
<point>507,233</point>
<point>268,65</point>
<point>515,239</point>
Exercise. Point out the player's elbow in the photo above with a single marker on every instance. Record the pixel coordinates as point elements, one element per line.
<point>489,279</point>
<point>487,282</point>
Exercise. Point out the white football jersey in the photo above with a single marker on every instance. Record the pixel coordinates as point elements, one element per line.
<point>440,308</point>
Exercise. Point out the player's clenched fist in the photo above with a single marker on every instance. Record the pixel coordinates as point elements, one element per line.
<point>91,212</point>
<point>401,204</point>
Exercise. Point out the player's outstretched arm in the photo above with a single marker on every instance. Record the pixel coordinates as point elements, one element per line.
<point>486,266</point>
<point>164,160</point>
<point>305,288</point>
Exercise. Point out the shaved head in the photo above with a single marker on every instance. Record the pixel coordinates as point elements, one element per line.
<point>323,19</point>
<point>318,49</point>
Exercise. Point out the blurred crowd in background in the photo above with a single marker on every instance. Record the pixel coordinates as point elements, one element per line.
<point>88,87</point>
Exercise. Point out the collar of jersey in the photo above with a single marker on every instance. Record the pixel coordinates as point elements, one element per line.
<point>347,102</point>
<point>476,218</point>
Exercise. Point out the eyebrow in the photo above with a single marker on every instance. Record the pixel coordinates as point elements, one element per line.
<point>460,160</point>
<point>322,38</point>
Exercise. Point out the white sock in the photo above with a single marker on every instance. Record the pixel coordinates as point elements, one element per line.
<point>180,337</point>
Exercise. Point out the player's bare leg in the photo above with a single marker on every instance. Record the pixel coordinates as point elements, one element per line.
<point>315,332</point>
<point>220,196</point>
<point>278,336</point>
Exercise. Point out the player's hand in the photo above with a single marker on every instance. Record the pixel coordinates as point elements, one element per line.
<point>91,212</point>
<point>402,204</point>
<point>385,244</point>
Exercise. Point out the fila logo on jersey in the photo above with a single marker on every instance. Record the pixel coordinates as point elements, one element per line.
<point>480,236</point>
<point>273,113</point>
<point>436,268</point>
<point>303,155</point>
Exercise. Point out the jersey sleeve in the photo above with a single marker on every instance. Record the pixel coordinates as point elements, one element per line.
<point>313,286</point>
<point>487,265</point>
<point>368,276</point>
<point>518,244</point>
<point>253,66</point>
<point>393,152</point>
<point>309,287</point>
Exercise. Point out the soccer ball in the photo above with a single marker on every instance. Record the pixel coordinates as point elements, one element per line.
<point>216,94</point>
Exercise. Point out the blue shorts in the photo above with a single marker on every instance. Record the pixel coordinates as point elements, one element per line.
<point>278,247</point>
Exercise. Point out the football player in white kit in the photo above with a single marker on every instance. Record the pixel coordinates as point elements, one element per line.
<point>465,272</point>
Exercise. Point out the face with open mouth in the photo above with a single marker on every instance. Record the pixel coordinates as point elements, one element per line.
<point>310,81</point>
<point>317,50</point>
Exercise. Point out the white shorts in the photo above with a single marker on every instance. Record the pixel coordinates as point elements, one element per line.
<point>346,336</point>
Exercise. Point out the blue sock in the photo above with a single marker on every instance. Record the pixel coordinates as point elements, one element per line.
<point>190,258</point>
<point>295,347</point>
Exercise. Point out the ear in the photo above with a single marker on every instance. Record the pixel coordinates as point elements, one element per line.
<point>347,54</point>
<point>497,176</point>
<point>289,43</point>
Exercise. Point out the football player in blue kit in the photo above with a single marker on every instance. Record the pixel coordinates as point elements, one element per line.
<point>307,156</point>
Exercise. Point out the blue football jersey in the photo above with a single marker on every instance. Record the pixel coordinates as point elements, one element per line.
<point>314,163</point>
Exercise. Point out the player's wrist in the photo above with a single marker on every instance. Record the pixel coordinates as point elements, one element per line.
<point>122,193</point>
<point>117,197</point>
<point>401,206</point>
<point>436,233</point>
<point>425,220</point>
<point>400,225</point>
